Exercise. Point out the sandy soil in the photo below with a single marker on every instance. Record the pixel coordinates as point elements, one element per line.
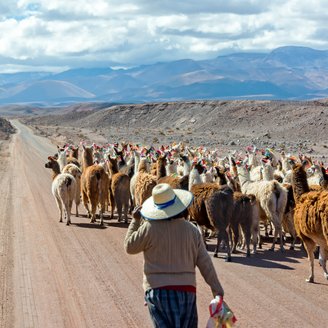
<point>52,275</point>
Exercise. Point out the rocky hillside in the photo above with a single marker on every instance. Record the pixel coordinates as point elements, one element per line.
<point>294,126</point>
<point>6,129</point>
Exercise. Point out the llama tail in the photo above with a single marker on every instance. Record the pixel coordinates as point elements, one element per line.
<point>68,181</point>
<point>99,185</point>
<point>324,222</point>
<point>277,192</point>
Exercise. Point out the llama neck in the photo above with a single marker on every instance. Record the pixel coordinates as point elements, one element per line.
<point>233,166</point>
<point>194,178</point>
<point>222,179</point>
<point>122,160</point>
<point>161,171</point>
<point>252,160</point>
<point>171,169</point>
<point>136,162</point>
<point>299,183</point>
<point>62,161</point>
<point>143,166</point>
<point>243,178</point>
<point>113,167</point>
<point>186,167</point>
<point>87,160</point>
<point>75,153</point>
<point>267,173</point>
<point>55,170</point>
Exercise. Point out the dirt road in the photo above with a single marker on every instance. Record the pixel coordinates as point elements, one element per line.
<point>52,275</point>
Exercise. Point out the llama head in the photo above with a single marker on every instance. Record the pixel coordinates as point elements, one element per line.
<point>62,153</point>
<point>198,166</point>
<point>184,159</point>
<point>52,163</point>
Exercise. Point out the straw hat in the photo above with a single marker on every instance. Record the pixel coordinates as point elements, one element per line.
<point>165,202</point>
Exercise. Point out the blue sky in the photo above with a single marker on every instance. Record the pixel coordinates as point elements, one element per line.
<point>58,34</point>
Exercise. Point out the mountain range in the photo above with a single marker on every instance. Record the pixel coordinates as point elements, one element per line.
<point>286,73</point>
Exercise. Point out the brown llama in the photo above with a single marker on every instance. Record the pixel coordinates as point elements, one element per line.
<point>94,185</point>
<point>245,216</point>
<point>212,208</point>
<point>311,218</point>
<point>144,182</point>
<point>63,189</point>
<point>119,190</point>
<point>73,156</point>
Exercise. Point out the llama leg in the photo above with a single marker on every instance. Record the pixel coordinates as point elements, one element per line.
<point>225,237</point>
<point>69,208</point>
<point>102,211</point>
<point>260,240</point>
<point>247,234</point>
<point>274,239</point>
<point>93,212</point>
<point>101,217</point>
<point>310,246</point>
<point>112,205</point>
<point>77,202</point>
<point>60,208</point>
<point>201,230</point>
<point>85,202</point>
<point>277,231</point>
<point>68,215</point>
<point>266,229</point>
<point>126,210</point>
<point>235,238</point>
<point>218,242</point>
<point>131,204</point>
<point>255,237</point>
<point>76,210</point>
<point>242,240</point>
<point>323,259</point>
<point>119,210</point>
<point>292,245</point>
<point>282,249</point>
<point>291,229</point>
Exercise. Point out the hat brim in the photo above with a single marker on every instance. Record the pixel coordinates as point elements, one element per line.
<point>182,201</point>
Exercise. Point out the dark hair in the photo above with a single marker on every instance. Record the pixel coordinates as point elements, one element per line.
<point>183,214</point>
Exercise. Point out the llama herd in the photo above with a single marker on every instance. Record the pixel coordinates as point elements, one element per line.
<point>233,194</point>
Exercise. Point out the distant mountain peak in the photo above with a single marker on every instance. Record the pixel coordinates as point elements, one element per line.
<point>289,72</point>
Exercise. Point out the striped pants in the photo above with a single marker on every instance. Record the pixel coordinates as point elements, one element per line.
<point>171,308</point>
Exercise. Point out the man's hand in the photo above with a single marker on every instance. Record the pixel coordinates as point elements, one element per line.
<point>136,213</point>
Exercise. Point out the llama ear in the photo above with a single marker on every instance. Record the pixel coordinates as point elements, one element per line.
<point>83,146</point>
<point>51,158</point>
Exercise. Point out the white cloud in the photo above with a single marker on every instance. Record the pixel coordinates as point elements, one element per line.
<point>100,32</point>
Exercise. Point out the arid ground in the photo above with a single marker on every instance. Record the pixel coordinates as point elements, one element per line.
<point>53,275</point>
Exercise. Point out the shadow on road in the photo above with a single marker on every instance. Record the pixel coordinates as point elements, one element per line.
<point>117,224</point>
<point>264,258</point>
<point>90,225</point>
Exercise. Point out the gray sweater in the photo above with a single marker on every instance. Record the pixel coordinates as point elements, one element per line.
<point>172,249</point>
